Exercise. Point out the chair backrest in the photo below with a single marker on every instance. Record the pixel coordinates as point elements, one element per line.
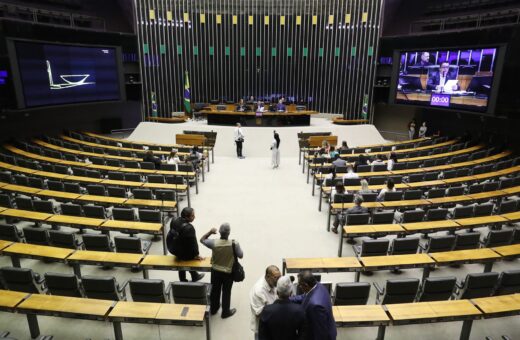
<point>169,167</point>
<point>125,214</point>
<point>343,198</point>
<point>175,180</point>
<point>369,197</point>
<point>166,195</point>
<point>9,232</point>
<point>507,183</point>
<point>72,188</point>
<point>125,244</point>
<point>412,195</point>
<point>61,169</point>
<point>21,180</point>
<point>63,284</point>
<point>484,209</point>
<point>497,238</point>
<point>507,206</point>
<point>195,293</point>
<point>143,194</point>
<point>383,217</point>
<point>415,178</point>
<point>508,283</point>
<point>71,209</point>
<point>379,167</point>
<point>97,287</point>
<point>441,243</point>
<point>147,165</point>
<point>431,176</point>
<point>24,203</point>
<point>131,164</point>
<point>36,182</point>
<point>96,189</point>
<point>437,288</point>
<point>113,162</point>
<point>435,193</point>
<point>467,241</point>
<point>156,179</point>
<point>94,211</point>
<point>450,174</point>
<point>148,290</point>
<point>97,242</point>
<point>476,188</point>
<point>393,196</point>
<point>374,247</point>
<point>55,185</point>
<point>43,206</point>
<point>116,192</point>
<point>463,212</point>
<point>351,181</point>
<point>376,180</point>
<point>491,186</point>
<point>516,236</point>
<point>62,239</point>
<point>36,236</point>
<point>407,245</point>
<point>455,191</point>
<point>478,285</point>
<point>400,291</point>
<point>146,215</point>
<point>411,216</point>
<point>351,293</point>
<point>356,219</point>
<point>436,214</point>
<point>19,279</point>
<point>118,176</point>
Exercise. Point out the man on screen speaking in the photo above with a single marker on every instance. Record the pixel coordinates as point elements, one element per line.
<point>443,81</point>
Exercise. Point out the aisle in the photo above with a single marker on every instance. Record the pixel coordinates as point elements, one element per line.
<point>272,214</point>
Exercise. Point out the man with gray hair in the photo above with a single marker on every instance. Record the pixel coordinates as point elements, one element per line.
<point>357,208</point>
<point>222,260</point>
<point>282,320</point>
<point>262,294</point>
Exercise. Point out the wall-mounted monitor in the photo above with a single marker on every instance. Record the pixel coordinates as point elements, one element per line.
<point>447,78</point>
<point>54,74</point>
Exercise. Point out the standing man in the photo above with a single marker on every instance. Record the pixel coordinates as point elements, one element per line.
<point>183,241</point>
<point>239,140</point>
<point>282,320</point>
<point>315,301</point>
<point>262,294</point>
<point>222,260</point>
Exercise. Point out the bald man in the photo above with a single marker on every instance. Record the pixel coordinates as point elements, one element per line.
<point>262,294</point>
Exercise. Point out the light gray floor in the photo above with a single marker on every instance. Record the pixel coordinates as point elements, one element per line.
<point>273,215</point>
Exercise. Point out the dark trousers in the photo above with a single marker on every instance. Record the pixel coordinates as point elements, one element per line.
<point>239,148</point>
<point>220,282</point>
<point>182,275</point>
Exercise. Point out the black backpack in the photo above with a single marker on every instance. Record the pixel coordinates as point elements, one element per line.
<point>172,238</point>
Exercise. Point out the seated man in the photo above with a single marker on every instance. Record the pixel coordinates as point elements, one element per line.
<point>260,107</point>
<point>242,107</point>
<point>438,81</point>
<point>280,107</point>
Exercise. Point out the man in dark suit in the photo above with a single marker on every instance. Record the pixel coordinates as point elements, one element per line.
<point>315,300</point>
<point>242,107</point>
<point>282,320</point>
<point>437,82</point>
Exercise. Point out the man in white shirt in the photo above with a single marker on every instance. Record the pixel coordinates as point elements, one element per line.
<point>262,294</point>
<point>239,140</point>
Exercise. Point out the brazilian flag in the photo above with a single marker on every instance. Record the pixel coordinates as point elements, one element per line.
<point>187,95</point>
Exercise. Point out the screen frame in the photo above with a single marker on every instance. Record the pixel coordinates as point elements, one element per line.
<point>497,75</point>
<point>17,80</point>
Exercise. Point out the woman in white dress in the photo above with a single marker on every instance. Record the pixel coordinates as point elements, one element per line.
<point>275,151</point>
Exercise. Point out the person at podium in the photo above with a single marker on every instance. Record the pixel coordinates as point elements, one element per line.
<point>280,107</point>
<point>260,107</point>
<point>242,107</point>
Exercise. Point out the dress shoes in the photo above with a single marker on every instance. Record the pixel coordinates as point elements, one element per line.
<point>231,312</point>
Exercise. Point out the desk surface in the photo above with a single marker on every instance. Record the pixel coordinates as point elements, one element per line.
<point>132,225</point>
<point>105,257</point>
<point>66,305</point>
<point>58,194</point>
<point>512,217</point>
<point>169,311</point>
<point>4,244</point>
<point>20,188</point>
<point>396,260</point>
<point>76,220</point>
<point>37,250</point>
<point>429,225</point>
<point>358,314</point>
<point>483,220</point>
<point>9,299</point>
<point>321,263</point>
<point>498,304</point>
<point>102,199</point>
<point>464,255</point>
<point>376,228</point>
<point>171,262</point>
<point>151,203</point>
<point>511,250</point>
<point>26,214</point>
<point>432,310</point>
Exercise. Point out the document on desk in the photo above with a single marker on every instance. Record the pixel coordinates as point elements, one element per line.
<point>448,87</point>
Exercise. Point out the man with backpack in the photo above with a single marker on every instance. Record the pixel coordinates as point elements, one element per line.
<point>182,242</point>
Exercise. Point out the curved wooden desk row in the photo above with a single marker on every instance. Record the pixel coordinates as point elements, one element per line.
<point>404,229</point>
<point>486,256</point>
<point>341,121</point>
<point>409,141</point>
<point>89,180</point>
<point>427,312</point>
<point>86,199</point>
<point>115,312</point>
<point>77,258</point>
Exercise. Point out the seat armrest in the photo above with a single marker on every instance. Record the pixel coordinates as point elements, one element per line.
<point>422,247</point>
<point>122,289</point>
<point>79,245</point>
<point>380,291</point>
<point>357,250</point>
<point>146,246</point>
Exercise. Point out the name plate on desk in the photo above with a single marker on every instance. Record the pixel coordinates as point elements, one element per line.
<point>258,114</point>
<point>440,99</point>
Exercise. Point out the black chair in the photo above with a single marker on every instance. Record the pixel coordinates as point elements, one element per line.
<point>95,211</point>
<point>97,242</point>
<point>376,180</point>
<point>477,285</point>
<point>491,186</point>
<point>105,288</point>
<point>24,203</point>
<point>372,248</point>
<point>156,179</point>
<point>431,176</point>
<point>475,188</point>
<point>43,206</point>
<point>193,293</point>
<point>21,280</point>
<point>383,217</point>
<point>516,236</point>
<point>497,238</point>
<point>55,185</point>
<point>97,160</point>
<point>357,219</point>
<point>343,198</point>
<point>351,181</point>
<point>96,189</point>
<point>61,169</point>
<point>351,293</point>
<point>467,241</point>
<point>411,216</point>
<point>21,180</point>
<point>149,290</point>
<point>36,236</point>
<point>436,193</point>
<point>412,195</point>
<point>5,201</point>
<point>116,176</point>
<point>437,289</point>
<point>131,245</point>
<point>131,164</point>
<point>147,165</point>
<point>9,232</point>
<point>71,209</point>
<point>63,285</point>
<point>116,192</point>
<point>463,212</point>
<point>484,209</point>
<point>455,191</point>
<point>113,162</point>
<point>407,245</point>
<point>507,183</point>
<point>397,291</point>
<point>132,177</point>
<point>415,178</point>
<point>439,244</point>
<point>72,188</point>
<point>169,167</point>
<point>63,239</point>
<point>507,206</point>
<point>36,182</point>
<point>379,167</point>
<point>143,194</point>
<point>508,283</point>
<point>369,197</point>
<point>93,174</point>
<point>436,214</point>
<point>450,174</point>
<point>123,214</point>
<point>393,196</point>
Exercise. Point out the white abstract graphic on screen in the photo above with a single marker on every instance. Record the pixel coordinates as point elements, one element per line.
<point>70,80</point>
